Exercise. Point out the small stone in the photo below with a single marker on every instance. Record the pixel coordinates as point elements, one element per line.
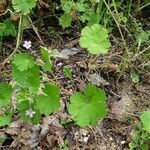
<point>123,108</point>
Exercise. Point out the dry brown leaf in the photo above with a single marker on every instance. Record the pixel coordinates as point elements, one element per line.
<point>52,140</point>
<point>3,4</point>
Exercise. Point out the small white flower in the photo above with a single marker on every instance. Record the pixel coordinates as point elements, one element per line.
<point>97,1</point>
<point>27,44</point>
<point>123,142</point>
<point>59,64</point>
<point>57,7</point>
<point>85,139</point>
<point>30,113</point>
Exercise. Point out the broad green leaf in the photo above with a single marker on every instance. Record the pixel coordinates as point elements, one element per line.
<point>22,108</point>
<point>23,6</point>
<point>52,90</point>
<point>90,16</point>
<point>95,39</point>
<point>50,102</point>
<point>65,20</point>
<point>29,78</point>
<point>7,28</point>
<point>145,119</point>
<point>43,103</point>
<point>81,6</point>
<point>23,61</point>
<point>67,72</point>
<point>5,120</point>
<point>33,79</point>
<point>36,118</point>
<point>67,6</point>
<point>5,94</point>
<point>18,75</point>
<point>88,107</point>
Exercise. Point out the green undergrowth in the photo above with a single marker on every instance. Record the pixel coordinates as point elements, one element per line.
<point>102,24</point>
<point>33,98</point>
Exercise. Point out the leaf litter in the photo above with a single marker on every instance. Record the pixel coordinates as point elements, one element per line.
<point>112,133</point>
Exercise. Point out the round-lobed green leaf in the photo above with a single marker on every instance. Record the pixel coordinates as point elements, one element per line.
<point>95,39</point>
<point>89,106</point>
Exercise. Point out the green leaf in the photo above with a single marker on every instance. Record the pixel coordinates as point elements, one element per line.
<point>136,136</point>
<point>21,95</point>
<point>91,17</point>
<point>132,145</point>
<point>5,120</point>
<point>81,6</point>
<point>65,20</point>
<point>26,24</point>
<point>43,103</point>
<point>67,72</point>
<point>145,119</point>
<point>23,6</point>
<point>134,75</point>
<point>45,54</point>
<point>88,107</point>
<point>46,57</point>
<point>29,78</point>
<point>144,37</point>
<point>144,147</point>
<point>5,94</point>
<point>36,118</point>
<point>50,102</point>
<point>22,108</point>
<point>67,6</point>
<point>23,61</point>
<point>33,79</point>
<point>52,90</point>
<point>25,106</point>
<point>94,38</point>
<point>7,28</point>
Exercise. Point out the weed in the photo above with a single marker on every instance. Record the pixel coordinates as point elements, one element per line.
<point>141,136</point>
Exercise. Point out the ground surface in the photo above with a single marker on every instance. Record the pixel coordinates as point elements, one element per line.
<point>113,133</point>
<point>125,99</point>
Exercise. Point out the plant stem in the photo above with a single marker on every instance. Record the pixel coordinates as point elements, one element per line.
<point>129,10</point>
<point>17,43</point>
<point>115,7</point>
<point>140,53</point>
<point>36,31</point>
<point>116,24</point>
<point>125,58</point>
<point>19,37</point>
<point>144,6</point>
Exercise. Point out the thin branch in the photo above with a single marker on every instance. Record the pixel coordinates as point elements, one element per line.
<point>36,31</point>
<point>6,11</point>
<point>116,24</point>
